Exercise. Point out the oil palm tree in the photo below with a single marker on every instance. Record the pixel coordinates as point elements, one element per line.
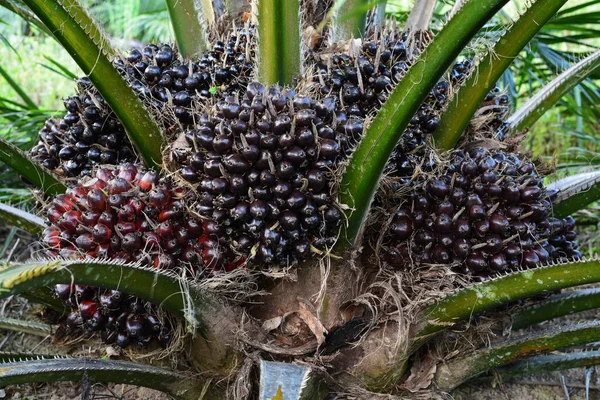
<point>301,204</point>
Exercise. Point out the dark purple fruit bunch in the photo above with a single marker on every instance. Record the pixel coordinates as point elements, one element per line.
<point>489,119</point>
<point>488,212</point>
<point>88,135</point>
<point>119,318</point>
<point>265,167</point>
<point>160,75</point>
<point>131,215</point>
<point>359,82</point>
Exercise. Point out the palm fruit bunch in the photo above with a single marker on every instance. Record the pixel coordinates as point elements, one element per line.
<point>359,81</point>
<point>120,319</point>
<point>88,135</point>
<point>264,170</point>
<point>484,213</point>
<point>160,76</point>
<point>130,215</point>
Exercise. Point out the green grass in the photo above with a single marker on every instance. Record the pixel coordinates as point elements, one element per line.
<point>46,88</point>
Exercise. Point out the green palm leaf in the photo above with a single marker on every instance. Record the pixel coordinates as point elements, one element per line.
<point>84,41</point>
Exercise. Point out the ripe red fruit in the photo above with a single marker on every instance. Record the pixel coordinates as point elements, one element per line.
<point>103,250</point>
<point>97,200</point>
<point>118,185</point>
<point>138,327</point>
<point>125,227</point>
<point>63,291</point>
<point>159,198</point>
<point>150,240</point>
<point>63,203</point>
<point>137,205</point>
<point>173,211</point>
<point>101,233</point>
<point>182,236</point>
<point>74,320</point>
<point>69,220</point>
<point>127,172</point>
<point>51,237</point>
<point>115,200</point>
<point>85,242</point>
<point>142,225</point>
<point>194,228</point>
<point>165,229</point>
<point>148,181</point>
<point>107,218</point>
<point>53,214</point>
<point>131,242</point>
<point>89,218</point>
<point>126,213</point>
<point>104,174</point>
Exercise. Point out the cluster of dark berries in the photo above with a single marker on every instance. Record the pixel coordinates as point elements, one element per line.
<point>130,215</point>
<point>89,134</point>
<point>86,136</point>
<point>264,168</point>
<point>160,76</point>
<point>359,84</point>
<point>120,319</point>
<point>487,212</point>
<point>362,83</point>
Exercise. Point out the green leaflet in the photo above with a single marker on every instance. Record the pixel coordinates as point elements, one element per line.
<point>551,362</point>
<point>505,289</point>
<point>80,36</point>
<point>471,94</point>
<point>556,306</point>
<point>30,327</point>
<point>454,372</point>
<point>18,89</point>
<point>179,386</point>
<point>279,41</point>
<point>551,93</point>
<point>362,175</point>
<point>22,219</point>
<point>34,173</point>
<point>575,193</point>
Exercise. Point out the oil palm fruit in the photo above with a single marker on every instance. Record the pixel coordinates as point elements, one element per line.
<point>86,136</point>
<point>90,135</point>
<point>116,316</point>
<point>359,81</point>
<point>263,166</point>
<point>485,213</point>
<point>161,77</point>
<point>130,215</point>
